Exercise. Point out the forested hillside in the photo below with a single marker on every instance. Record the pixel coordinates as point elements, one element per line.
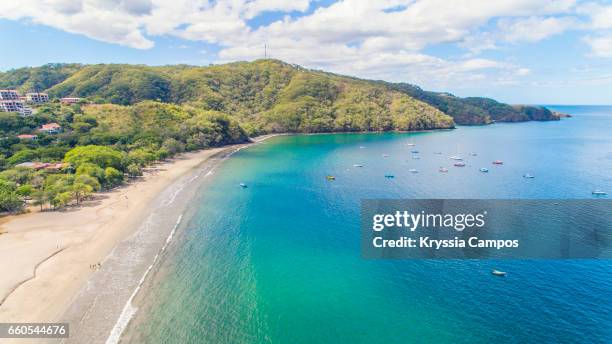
<point>258,91</point>
<point>476,110</point>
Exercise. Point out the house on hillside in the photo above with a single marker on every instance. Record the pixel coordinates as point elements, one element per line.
<point>51,128</point>
<point>9,95</point>
<point>37,98</point>
<point>68,100</point>
<point>49,166</point>
<point>15,106</point>
<point>27,137</point>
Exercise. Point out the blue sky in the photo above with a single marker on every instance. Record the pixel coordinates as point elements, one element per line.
<point>535,52</point>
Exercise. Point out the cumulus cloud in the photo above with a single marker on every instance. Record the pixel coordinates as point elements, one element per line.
<point>534,29</point>
<point>601,46</point>
<point>378,39</point>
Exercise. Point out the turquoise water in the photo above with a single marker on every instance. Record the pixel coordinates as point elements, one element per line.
<point>279,261</point>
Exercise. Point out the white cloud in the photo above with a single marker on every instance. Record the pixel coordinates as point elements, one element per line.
<point>601,46</point>
<point>362,38</point>
<point>108,21</point>
<point>533,29</point>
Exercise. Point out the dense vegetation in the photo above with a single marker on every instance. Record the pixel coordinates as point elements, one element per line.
<point>132,115</point>
<point>99,146</point>
<point>476,110</point>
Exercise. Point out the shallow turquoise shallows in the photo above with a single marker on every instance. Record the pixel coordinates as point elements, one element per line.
<point>279,261</point>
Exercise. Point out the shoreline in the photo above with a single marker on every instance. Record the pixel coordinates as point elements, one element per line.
<point>54,255</point>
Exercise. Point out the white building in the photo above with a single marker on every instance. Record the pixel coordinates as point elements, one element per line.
<point>9,95</point>
<point>15,106</point>
<point>37,98</point>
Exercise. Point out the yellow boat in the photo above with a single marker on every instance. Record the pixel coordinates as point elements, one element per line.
<point>330,178</point>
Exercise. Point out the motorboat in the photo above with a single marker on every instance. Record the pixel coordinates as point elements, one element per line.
<point>499,273</point>
<point>443,170</point>
<point>498,162</point>
<point>330,178</point>
<point>243,185</point>
<point>412,170</point>
<point>484,169</point>
<point>459,164</point>
<point>528,176</point>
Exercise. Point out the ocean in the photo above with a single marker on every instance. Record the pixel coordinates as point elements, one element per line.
<point>280,261</point>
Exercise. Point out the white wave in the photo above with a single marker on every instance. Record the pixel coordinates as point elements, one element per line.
<point>129,309</point>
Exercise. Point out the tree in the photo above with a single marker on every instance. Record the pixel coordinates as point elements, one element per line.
<point>88,180</point>
<point>39,198</point>
<point>80,191</point>
<point>112,177</point>
<point>62,199</point>
<point>134,170</point>
<point>9,199</point>
<point>25,190</point>
<point>23,156</point>
<point>99,155</point>
<point>92,170</point>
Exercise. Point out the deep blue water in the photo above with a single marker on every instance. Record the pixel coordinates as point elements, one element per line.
<point>279,262</point>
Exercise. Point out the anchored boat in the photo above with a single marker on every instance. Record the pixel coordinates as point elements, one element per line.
<point>498,273</point>
<point>484,169</point>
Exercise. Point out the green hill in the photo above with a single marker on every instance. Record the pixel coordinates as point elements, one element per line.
<point>475,110</point>
<point>271,96</point>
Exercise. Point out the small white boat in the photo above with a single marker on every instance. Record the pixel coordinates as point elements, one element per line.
<point>410,144</point>
<point>412,170</point>
<point>498,273</point>
<point>599,193</point>
<point>458,158</point>
<point>243,185</point>
<point>416,157</point>
<point>473,154</point>
<point>443,170</point>
<point>484,170</point>
<point>357,165</point>
<point>361,147</point>
<point>528,176</point>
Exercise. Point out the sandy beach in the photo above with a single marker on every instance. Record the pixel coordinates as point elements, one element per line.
<point>47,257</point>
